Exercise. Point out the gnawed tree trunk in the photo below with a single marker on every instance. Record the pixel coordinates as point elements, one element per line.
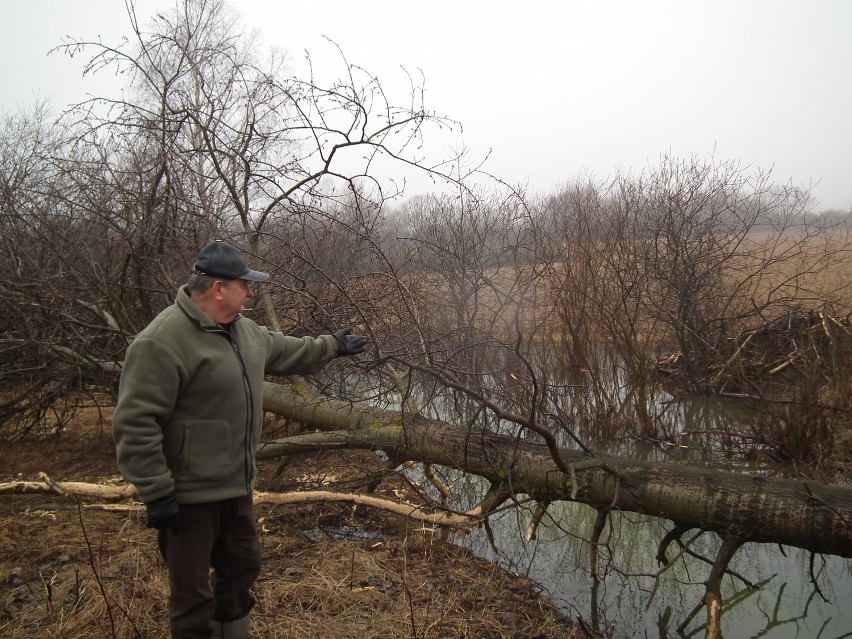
<point>808,515</point>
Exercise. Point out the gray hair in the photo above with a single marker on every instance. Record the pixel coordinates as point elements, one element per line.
<point>200,283</point>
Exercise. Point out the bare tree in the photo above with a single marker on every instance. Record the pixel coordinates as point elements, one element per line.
<point>206,141</point>
<point>526,322</point>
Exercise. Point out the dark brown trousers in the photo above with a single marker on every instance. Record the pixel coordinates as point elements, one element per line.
<point>220,535</point>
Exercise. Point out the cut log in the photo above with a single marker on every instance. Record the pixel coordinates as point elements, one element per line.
<point>805,514</point>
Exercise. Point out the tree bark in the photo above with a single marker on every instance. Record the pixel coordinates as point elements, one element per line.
<point>805,514</point>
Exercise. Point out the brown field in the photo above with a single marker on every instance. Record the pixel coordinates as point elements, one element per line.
<point>769,271</point>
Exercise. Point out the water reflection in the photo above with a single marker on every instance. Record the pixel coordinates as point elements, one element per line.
<point>630,603</point>
<point>610,414</point>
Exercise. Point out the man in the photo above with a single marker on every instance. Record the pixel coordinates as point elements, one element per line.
<point>187,426</point>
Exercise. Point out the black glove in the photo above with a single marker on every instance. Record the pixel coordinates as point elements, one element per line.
<point>163,513</point>
<point>350,344</point>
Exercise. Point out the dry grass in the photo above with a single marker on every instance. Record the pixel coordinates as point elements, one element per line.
<point>90,572</point>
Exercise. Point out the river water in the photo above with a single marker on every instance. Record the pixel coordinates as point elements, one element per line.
<point>786,605</point>
<point>796,595</point>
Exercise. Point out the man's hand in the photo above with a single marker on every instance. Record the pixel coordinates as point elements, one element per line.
<point>163,513</point>
<point>350,344</point>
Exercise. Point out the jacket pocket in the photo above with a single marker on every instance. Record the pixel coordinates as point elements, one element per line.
<point>204,452</point>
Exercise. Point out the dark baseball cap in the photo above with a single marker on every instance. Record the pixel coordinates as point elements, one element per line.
<point>218,259</point>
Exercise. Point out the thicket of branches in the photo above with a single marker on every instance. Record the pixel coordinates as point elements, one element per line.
<point>554,309</point>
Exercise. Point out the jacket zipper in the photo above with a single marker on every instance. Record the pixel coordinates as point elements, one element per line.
<point>249,414</point>
<point>249,406</point>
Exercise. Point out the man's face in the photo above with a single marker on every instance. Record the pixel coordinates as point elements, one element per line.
<point>234,296</point>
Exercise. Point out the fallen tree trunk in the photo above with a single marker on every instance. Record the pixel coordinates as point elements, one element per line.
<point>805,514</point>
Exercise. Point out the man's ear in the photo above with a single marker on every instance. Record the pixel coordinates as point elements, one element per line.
<point>216,289</point>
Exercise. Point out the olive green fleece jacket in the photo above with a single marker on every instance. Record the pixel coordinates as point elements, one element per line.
<point>190,401</point>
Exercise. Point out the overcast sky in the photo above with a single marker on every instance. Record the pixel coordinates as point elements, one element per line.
<point>555,89</point>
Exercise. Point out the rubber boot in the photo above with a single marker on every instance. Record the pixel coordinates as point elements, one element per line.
<point>236,629</point>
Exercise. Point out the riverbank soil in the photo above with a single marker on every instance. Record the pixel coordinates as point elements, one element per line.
<point>91,571</point>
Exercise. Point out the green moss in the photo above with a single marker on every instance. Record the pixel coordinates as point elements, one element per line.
<point>393,425</point>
